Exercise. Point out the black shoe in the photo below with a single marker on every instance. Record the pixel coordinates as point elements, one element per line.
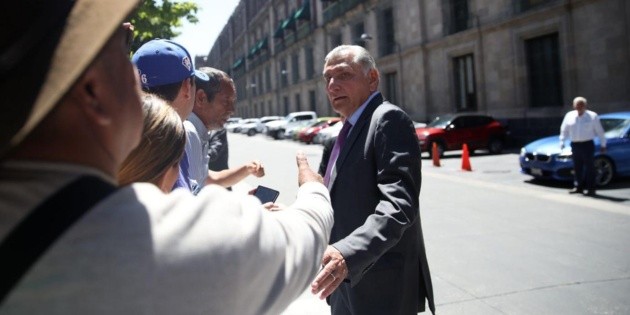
<point>590,192</point>
<point>576,190</point>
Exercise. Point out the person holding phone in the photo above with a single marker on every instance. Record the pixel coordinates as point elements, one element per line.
<point>214,104</point>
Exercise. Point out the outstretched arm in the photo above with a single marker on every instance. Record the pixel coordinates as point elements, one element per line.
<point>231,176</point>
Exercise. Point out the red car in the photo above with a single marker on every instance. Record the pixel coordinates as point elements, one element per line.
<point>450,132</point>
<point>307,134</point>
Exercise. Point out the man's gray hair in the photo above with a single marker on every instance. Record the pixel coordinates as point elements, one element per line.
<point>360,56</point>
<point>213,85</point>
<point>580,99</point>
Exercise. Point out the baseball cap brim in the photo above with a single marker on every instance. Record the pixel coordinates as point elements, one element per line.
<point>202,76</point>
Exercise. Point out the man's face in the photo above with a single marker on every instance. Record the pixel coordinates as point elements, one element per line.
<point>215,113</point>
<point>347,86</point>
<point>580,107</point>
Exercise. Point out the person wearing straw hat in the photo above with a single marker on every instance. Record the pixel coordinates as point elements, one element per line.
<point>71,241</point>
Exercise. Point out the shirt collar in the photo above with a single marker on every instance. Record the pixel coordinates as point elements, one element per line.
<point>357,113</point>
<point>202,131</point>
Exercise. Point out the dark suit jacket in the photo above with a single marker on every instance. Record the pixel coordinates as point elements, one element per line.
<point>375,195</point>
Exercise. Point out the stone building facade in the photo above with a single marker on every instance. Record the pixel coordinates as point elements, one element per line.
<point>521,61</point>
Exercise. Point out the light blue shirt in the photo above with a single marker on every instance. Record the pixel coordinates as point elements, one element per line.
<point>197,151</point>
<point>357,113</point>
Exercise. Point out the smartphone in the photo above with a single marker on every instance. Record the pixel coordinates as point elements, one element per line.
<point>266,194</point>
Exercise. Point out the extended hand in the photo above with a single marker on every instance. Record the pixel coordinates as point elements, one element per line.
<point>334,270</point>
<point>305,173</point>
<point>256,168</point>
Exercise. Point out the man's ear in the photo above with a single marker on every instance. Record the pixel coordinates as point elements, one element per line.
<point>374,79</point>
<point>86,92</point>
<point>200,97</point>
<point>187,89</point>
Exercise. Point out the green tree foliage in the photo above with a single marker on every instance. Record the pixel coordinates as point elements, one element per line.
<point>159,19</point>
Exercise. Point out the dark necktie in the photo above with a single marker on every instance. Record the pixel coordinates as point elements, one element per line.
<point>341,139</point>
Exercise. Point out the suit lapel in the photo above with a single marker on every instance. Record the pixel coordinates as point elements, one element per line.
<point>357,129</point>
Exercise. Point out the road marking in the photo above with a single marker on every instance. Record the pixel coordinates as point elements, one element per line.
<point>580,201</point>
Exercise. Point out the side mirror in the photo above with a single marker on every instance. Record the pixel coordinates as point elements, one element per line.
<point>450,127</point>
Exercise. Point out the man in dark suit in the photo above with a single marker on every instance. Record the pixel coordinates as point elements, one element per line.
<point>376,263</point>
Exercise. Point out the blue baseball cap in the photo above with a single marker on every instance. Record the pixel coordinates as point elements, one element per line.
<point>162,62</point>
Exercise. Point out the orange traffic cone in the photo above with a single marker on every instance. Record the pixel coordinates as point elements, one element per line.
<point>435,154</point>
<point>465,159</point>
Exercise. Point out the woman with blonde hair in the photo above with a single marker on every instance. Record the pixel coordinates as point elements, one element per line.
<point>156,158</point>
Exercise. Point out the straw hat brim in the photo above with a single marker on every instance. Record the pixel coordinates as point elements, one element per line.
<point>90,24</point>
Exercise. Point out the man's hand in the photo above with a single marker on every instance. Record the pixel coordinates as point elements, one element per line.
<point>305,173</point>
<point>334,270</point>
<point>256,168</point>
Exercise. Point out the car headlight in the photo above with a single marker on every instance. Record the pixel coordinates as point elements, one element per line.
<point>523,151</point>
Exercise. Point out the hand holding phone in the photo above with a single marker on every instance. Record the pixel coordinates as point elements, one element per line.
<point>266,194</point>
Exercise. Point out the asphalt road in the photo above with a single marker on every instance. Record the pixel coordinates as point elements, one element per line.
<point>497,242</point>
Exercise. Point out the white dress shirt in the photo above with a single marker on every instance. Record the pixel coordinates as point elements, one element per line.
<point>582,128</point>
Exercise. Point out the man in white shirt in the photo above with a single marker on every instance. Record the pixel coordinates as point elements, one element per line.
<point>581,126</point>
<point>214,104</point>
<point>133,249</point>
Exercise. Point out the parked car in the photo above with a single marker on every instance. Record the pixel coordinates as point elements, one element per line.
<point>249,126</point>
<point>292,130</point>
<point>543,158</point>
<point>232,123</point>
<point>450,132</point>
<point>277,128</point>
<point>262,125</point>
<point>236,127</point>
<point>308,134</point>
<point>327,133</point>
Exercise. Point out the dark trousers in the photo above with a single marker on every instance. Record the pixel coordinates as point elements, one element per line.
<point>584,164</point>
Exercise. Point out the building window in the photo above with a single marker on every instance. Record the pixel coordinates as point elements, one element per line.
<point>312,100</point>
<point>298,104</point>
<point>387,37</point>
<point>310,64</point>
<point>295,68</point>
<point>459,15</point>
<point>358,30</point>
<point>283,73</point>
<point>391,87</point>
<point>267,79</point>
<point>524,5</point>
<point>543,71</point>
<point>335,40</point>
<point>286,105</point>
<point>465,94</point>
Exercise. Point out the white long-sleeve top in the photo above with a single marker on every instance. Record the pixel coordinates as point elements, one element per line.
<point>140,251</point>
<point>582,128</point>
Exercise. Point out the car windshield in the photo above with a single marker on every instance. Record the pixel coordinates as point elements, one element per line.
<point>441,121</point>
<point>614,127</point>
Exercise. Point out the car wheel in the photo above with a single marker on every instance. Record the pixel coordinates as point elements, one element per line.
<point>440,148</point>
<point>251,132</point>
<point>280,134</point>
<point>604,171</point>
<point>495,146</point>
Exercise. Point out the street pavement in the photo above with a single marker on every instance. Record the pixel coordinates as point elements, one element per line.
<point>497,242</point>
